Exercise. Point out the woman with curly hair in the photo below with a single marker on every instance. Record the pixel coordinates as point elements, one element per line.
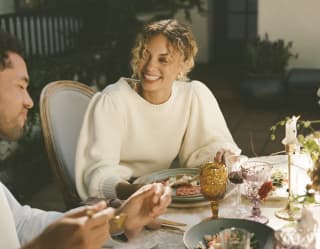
<point>139,125</point>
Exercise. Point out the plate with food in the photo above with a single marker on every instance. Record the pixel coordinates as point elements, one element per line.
<point>184,182</point>
<point>204,234</point>
<point>185,185</point>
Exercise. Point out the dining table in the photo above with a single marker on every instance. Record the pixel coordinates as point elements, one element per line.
<point>193,213</point>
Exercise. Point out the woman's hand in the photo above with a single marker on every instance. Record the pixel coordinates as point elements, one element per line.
<point>221,155</point>
<point>144,206</point>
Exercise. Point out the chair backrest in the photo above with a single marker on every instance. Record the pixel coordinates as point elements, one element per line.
<point>62,108</point>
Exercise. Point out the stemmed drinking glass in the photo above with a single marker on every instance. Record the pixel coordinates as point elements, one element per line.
<point>233,163</point>
<point>235,238</point>
<point>255,174</point>
<point>213,184</point>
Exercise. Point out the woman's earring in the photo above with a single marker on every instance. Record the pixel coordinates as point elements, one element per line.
<point>180,76</point>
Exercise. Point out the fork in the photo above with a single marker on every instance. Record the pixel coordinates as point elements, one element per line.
<point>173,228</point>
<point>170,222</point>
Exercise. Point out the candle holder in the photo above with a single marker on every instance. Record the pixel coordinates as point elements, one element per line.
<point>290,212</point>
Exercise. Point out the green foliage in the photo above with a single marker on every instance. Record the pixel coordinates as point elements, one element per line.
<point>266,57</point>
<point>311,144</point>
<point>309,139</point>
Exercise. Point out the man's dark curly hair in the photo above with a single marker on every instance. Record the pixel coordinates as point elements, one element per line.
<point>8,43</point>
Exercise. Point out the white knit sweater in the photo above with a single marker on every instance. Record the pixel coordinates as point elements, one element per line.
<point>124,136</point>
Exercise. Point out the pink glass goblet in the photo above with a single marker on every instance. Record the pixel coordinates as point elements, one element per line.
<point>255,174</point>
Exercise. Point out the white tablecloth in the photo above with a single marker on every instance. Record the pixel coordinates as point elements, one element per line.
<point>168,239</point>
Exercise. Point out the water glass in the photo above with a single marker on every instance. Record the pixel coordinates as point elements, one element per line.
<point>235,238</point>
<point>233,163</point>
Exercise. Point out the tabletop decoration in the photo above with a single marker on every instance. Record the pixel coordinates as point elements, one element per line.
<point>309,141</point>
<point>292,146</point>
<point>301,234</point>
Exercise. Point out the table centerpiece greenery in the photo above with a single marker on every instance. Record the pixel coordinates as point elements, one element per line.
<point>309,140</point>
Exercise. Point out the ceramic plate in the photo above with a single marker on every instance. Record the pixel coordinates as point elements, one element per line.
<point>159,175</point>
<point>263,234</point>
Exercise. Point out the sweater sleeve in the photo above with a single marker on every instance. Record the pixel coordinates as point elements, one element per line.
<point>207,131</point>
<point>97,167</point>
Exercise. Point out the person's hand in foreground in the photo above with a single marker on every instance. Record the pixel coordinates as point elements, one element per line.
<point>77,230</point>
<point>144,206</point>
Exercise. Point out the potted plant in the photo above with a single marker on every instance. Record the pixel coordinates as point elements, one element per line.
<point>266,64</point>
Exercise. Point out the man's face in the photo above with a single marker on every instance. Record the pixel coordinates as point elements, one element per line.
<point>15,100</point>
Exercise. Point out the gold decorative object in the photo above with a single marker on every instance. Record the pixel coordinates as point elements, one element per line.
<point>291,144</point>
<point>213,184</point>
<point>289,212</point>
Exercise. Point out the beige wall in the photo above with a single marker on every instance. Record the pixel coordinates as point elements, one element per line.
<point>6,6</point>
<point>293,20</point>
<point>199,26</point>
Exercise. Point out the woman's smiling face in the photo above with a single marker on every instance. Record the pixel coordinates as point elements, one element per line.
<point>158,68</point>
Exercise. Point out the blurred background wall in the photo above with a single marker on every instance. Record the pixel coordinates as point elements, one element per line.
<point>6,6</point>
<point>293,20</point>
<point>201,30</point>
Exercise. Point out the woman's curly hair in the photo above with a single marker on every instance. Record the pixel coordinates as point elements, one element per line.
<point>8,43</point>
<point>179,36</point>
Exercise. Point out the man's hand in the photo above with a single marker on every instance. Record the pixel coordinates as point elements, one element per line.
<point>144,206</point>
<point>114,203</point>
<point>83,228</point>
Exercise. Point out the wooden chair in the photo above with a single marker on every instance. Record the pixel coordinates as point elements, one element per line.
<point>62,108</point>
